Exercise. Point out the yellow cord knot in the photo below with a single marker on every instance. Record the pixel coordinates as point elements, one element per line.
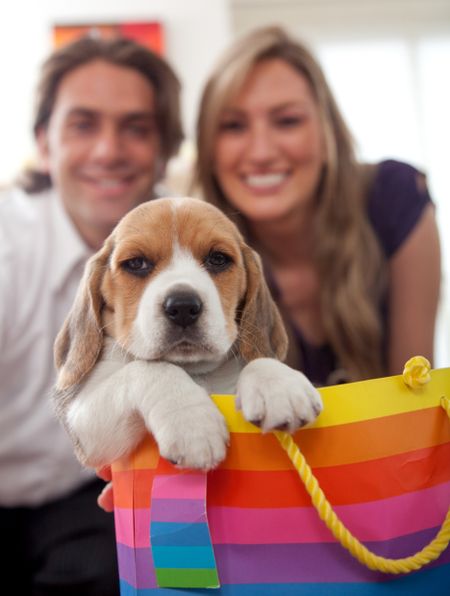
<point>417,372</point>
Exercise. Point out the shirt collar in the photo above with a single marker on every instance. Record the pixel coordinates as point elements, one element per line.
<point>69,248</point>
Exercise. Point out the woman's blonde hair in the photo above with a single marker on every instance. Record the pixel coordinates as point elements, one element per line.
<point>347,255</point>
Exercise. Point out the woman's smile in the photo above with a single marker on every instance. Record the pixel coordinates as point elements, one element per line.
<point>270,144</point>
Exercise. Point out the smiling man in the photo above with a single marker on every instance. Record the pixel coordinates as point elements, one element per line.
<point>106,122</point>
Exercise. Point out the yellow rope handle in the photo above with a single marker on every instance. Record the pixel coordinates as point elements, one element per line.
<point>343,535</point>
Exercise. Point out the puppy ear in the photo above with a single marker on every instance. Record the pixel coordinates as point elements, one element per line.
<point>261,330</point>
<point>79,342</point>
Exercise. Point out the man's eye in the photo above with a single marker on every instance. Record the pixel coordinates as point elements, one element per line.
<point>217,261</point>
<point>139,266</point>
<point>140,130</point>
<point>82,125</point>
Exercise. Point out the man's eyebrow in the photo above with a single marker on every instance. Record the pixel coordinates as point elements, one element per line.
<point>150,115</point>
<point>88,112</point>
<point>79,111</point>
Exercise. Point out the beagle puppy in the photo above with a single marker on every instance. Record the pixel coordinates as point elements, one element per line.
<point>174,307</point>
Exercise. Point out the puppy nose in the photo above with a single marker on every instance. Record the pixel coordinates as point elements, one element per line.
<point>183,309</point>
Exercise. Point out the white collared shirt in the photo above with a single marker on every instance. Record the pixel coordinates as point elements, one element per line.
<point>41,262</point>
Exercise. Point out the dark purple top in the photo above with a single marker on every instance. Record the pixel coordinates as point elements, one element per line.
<point>395,205</point>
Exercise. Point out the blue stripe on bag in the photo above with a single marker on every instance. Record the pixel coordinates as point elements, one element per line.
<point>429,582</point>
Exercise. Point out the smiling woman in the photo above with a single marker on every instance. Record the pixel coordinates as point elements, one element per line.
<point>270,146</point>
<point>351,250</point>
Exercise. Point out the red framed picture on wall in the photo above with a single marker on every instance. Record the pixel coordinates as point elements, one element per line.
<point>149,34</point>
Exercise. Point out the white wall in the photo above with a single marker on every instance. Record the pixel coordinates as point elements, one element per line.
<point>330,18</point>
<point>196,31</point>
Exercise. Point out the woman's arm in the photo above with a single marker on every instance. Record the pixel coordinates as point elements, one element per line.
<point>414,284</point>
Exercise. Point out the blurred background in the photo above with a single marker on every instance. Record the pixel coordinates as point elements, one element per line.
<point>388,63</point>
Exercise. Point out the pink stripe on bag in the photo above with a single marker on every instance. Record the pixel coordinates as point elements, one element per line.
<point>378,520</point>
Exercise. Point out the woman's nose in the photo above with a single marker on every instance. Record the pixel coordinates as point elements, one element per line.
<point>261,144</point>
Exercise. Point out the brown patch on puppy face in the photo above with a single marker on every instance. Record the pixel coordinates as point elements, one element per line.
<point>147,233</point>
<point>244,295</point>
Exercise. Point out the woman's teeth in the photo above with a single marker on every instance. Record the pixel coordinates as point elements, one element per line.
<point>264,180</point>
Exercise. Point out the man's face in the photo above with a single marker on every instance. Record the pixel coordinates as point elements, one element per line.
<point>102,146</point>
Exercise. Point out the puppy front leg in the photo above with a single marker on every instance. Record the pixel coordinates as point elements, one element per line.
<point>188,427</point>
<point>109,415</point>
<point>100,415</point>
<point>274,396</point>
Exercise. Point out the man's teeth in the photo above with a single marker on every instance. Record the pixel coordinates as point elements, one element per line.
<point>109,183</point>
<point>265,180</point>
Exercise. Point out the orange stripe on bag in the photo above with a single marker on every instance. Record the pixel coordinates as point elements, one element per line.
<point>354,442</point>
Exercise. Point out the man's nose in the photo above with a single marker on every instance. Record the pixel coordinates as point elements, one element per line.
<point>108,144</point>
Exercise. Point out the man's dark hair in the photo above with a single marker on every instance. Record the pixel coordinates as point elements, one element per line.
<point>120,52</point>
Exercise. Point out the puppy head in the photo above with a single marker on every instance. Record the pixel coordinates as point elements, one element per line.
<point>176,282</point>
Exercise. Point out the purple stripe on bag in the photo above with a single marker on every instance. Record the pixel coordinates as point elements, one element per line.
<point>286,563</point>
<point>323,562</point>
<point>136,566</point>
<point>188,510</point>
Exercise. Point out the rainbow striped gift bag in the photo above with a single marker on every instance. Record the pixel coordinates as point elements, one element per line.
<point>380,452</point>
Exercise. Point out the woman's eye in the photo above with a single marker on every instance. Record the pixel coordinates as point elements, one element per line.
<point>289,121</point>
<point>139,266</point>
<point>231,126</point>
<point>217,261</point>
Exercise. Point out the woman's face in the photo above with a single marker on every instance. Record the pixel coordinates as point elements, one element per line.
<point>269,150</point>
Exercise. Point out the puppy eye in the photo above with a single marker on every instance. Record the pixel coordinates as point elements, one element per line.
<point>216,261</point>
<point>139,266</point>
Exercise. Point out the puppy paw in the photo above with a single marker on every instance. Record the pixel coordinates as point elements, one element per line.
<point>276,397</point>
<point>194,437</point>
